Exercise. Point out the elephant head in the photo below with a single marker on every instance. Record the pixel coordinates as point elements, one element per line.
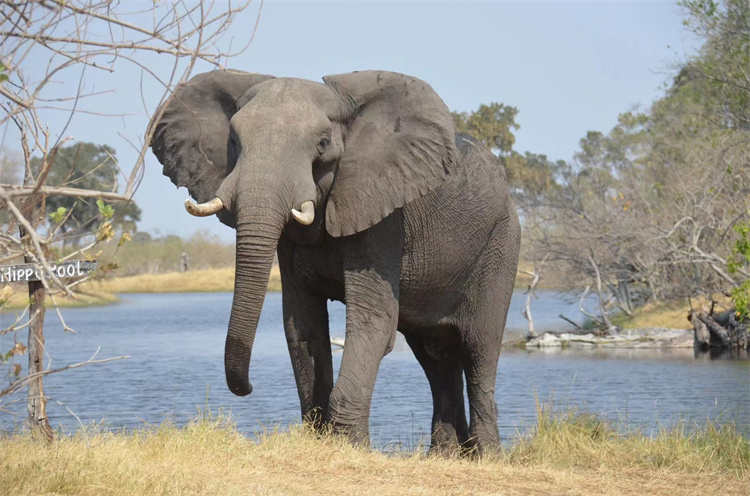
<point>273,154</point>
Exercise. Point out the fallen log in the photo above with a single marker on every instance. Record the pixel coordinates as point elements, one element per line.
<point>702,336</point>
<point>721,330</point>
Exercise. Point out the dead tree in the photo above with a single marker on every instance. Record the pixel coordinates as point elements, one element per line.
<point>530,292</point>
<point>45,42</point>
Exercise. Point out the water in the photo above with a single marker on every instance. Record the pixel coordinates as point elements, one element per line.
<point>176,345</point>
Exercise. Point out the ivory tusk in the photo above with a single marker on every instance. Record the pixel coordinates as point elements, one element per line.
<point>307,215</point>
<point>204,209</point>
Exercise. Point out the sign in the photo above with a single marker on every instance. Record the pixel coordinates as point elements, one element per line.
<point>35,272</point>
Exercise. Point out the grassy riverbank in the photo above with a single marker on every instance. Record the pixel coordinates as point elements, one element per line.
<point>663,314</point>
<point>568,454</point>
<point>209,280</point>
<point>196,281</point>
<point>18,299</point>
<point>104,291</point>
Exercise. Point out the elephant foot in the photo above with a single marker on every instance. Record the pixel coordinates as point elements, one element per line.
<point>349,416</point>
<point>476,448</point>
<point>447,442</point>
<point>315,419</point>
<point>356,435</point>
<point>446,450</point>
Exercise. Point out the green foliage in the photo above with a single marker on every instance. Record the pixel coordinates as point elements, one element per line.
<point>740,259</point>
<point>105,232</point>
<point>3,75</point>
<point>741,251</point>
<point>720,73</point>
<point>106,211</point>
<point>18,349</point>
<point>741,299</point>
<point>715,84</point>
<point>146,254</point>
<point>93,167</point>
<point>654,200</point>
<point>530,175</point>
<point>124,239</point>
<point>492,125</point>
<point>11,165</point>
<point>58,215</point>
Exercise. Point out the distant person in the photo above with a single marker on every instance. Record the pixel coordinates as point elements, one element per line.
<point>185,262</point>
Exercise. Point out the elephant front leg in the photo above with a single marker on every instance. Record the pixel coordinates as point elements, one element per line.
<point>308,339</point>
<point>306,328</point>
<point>370,333</point>
<point>371,283</point>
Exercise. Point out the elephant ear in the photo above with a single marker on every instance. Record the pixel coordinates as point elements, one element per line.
<point>191,137</point>
<point>399,146</point>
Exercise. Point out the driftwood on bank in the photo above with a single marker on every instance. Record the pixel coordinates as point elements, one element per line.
<point>721,330</point>
<point>645,337</point>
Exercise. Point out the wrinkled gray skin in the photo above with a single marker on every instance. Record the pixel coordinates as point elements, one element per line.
<point>414,231</point>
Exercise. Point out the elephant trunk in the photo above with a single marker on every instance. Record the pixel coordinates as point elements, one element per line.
<point>258,232</point>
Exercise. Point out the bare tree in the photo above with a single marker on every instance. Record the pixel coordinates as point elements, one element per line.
<point>650,208</point>
<point>536,275</point>
<point>43,43</point>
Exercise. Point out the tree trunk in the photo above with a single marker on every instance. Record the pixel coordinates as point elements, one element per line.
<point>37,401</point>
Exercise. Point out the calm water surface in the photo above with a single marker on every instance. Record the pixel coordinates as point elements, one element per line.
<point>176,345</point>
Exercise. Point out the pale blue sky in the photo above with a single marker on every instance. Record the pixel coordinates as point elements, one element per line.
<point>568,67</point>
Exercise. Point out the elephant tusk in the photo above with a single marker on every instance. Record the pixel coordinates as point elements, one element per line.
<point>307,215</point>
<point>204,209</point>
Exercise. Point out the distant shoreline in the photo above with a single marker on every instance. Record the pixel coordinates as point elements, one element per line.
<point>104,292</point>
<point>200,281</point>
<point>194,281</point>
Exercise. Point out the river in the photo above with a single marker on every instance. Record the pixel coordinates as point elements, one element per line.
<point>176,344</point>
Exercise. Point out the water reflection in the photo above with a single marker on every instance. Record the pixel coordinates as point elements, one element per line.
<point>720,354</point>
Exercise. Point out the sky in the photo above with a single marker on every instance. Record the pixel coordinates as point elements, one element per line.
<point>569,67</point>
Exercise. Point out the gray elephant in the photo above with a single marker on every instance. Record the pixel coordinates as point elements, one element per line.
<point>368,196</point>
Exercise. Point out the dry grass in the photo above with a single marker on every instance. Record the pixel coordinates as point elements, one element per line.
<point>671,315</point>
<point>568,455</point>
<point>196,281</point>
<point>18,298</point>
<point>103,291</point>
<point>199,281</point>
<point>666,314</point>
<point>583,440</point>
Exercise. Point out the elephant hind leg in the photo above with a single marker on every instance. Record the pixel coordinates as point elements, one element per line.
<point>442,366</point>
<point>482,324</point>
<point>480,366</point>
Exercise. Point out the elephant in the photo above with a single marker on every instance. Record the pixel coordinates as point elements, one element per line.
<point>368,196</point>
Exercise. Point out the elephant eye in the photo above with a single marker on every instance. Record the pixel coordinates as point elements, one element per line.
<point>323,144</point>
